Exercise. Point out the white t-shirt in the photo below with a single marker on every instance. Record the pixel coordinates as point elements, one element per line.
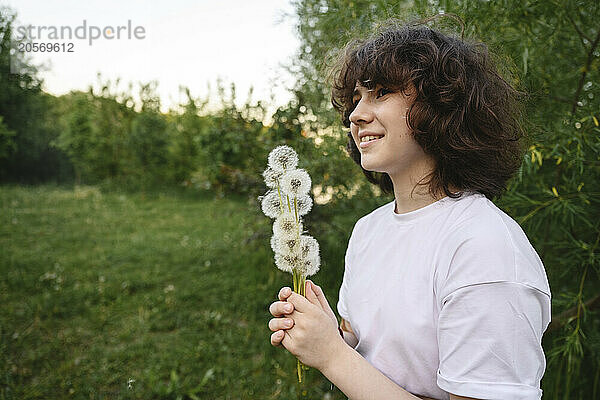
<point>449,298</point>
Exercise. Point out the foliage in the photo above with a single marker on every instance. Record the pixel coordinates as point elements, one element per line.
<point>549,50</point>
<point>148,138</point>
<point>26,112</point>
<point>230,147</point>
<point>7,141</point>
<point>184,132</point>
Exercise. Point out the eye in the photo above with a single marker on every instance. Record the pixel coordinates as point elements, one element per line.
<point>382,92</point>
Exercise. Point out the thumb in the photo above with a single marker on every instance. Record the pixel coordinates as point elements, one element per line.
<point>311,295</point>
<point>318,292</point>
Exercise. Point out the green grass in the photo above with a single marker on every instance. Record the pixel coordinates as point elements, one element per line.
<point>171,291</point>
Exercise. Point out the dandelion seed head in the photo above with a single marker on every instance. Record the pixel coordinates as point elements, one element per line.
<point>283,158</point>
<point>270,204</point>
<point>272,177</point>
<point>309,247</point>
<point>274,243</point>
<point>286,263</point>
<point>288,246</point>
<point>295,182</point>
<point>309,266</point>
<point>305,204</point>
<point>293,252</point>
<point>285,226</point>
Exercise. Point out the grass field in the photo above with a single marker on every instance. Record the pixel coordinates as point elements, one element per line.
<point>167,292</point>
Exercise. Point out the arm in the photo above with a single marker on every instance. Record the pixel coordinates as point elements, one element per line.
<point>315,340</point>
<point>325,350</point>
<point>358,379</point>
<point>352,372</point>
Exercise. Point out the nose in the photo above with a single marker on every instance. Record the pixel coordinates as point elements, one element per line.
<point>362,113</point>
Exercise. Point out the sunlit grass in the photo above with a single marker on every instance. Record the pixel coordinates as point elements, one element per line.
<point>164,293</point>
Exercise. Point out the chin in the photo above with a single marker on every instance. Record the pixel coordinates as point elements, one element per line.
<point>368,162</point>
<point>371,167</point>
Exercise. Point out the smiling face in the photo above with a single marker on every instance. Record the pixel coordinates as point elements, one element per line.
<point>381,133</point>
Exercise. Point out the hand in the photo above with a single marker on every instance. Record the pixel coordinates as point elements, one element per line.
<point>314,338</point>
<point>278,309</point>
<point>323,301</point>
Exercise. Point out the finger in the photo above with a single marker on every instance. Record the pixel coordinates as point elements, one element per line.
<point>276,324</point>
<point>280,308</point>
<point>276,338</point>
<point>320,295</point>
<point>311,296</point>
<point>286,341</point>
<point>301,303</point>
<point>284,293</point>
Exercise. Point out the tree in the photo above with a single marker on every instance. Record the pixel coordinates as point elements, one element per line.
<point>185,129</point>
<point>26,112</point>
<point>148,136</point>
<point>7,141</point>
<point>76,139</point>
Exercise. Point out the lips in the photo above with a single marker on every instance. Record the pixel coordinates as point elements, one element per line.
<point>368,139</point>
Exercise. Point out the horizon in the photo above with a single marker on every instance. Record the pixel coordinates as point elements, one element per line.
<point>184,45</point>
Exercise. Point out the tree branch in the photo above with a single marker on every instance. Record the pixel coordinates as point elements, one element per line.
<point>586,68</point>
<point>559,320</point>
<point>581,19</point>
<point>581,34</point>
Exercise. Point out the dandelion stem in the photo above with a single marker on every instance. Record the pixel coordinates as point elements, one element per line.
<point>296,208</point>
<point>295,281</point>
<point>302,290</point>
<point>280,199</point>
<point>297,289</point>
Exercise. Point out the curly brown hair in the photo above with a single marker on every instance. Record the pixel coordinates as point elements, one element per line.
<point>464,114</point>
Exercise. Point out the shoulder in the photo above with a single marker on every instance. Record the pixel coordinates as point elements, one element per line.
<point>372,219</point>
<point>479,224</point>
<point>486,245</point>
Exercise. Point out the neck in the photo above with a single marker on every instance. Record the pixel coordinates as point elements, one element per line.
<point>407,203</point>
<point>406,199</point>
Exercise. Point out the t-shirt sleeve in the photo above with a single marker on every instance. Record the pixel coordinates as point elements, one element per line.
<point>490,325</point>
<point>489,339</point>
<point>343,294</point>
<point>341,305</point>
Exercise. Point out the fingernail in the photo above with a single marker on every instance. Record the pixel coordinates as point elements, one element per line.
<point>288,323</point>
<point>287,307</point>
<point>286,291</point>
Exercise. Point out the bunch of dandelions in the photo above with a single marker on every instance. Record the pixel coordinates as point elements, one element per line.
<point>286,202</point>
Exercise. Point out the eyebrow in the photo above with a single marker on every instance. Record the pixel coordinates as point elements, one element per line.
<point>357,92</point>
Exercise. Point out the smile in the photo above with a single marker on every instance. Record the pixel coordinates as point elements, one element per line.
<point>368,140</point>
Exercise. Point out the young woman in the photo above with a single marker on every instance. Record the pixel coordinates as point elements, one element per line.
<point>443,295</point>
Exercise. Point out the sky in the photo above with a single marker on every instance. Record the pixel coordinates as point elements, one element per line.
<point>184,43</point>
